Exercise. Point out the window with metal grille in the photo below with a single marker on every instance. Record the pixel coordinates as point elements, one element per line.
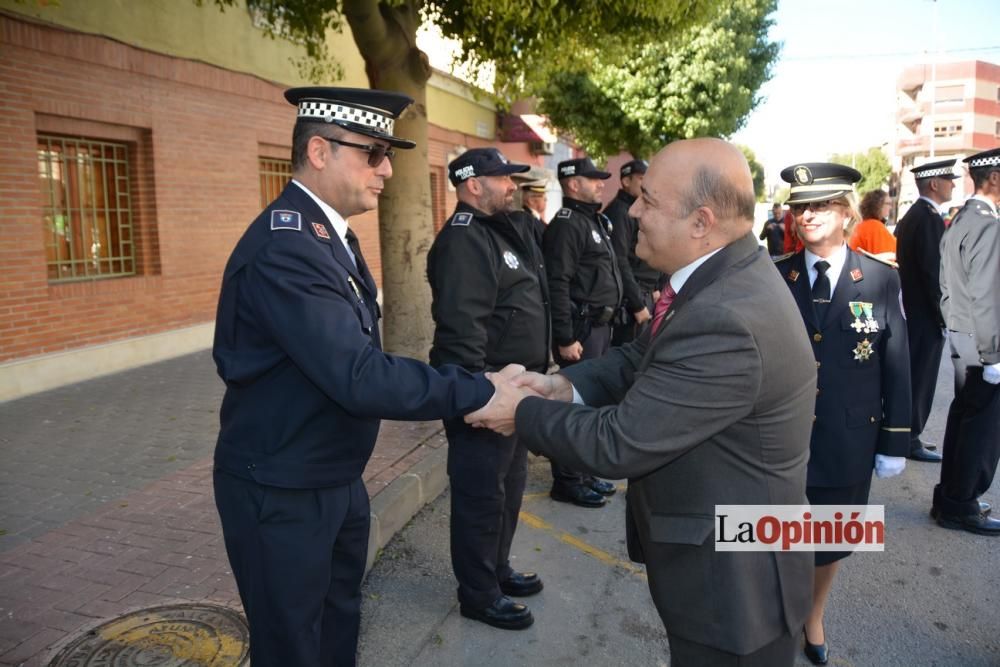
<point>274,176</point>
<point>87,208</point>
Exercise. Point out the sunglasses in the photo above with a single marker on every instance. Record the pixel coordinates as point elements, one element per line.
<point>376,152</point>
<point>815,206</point>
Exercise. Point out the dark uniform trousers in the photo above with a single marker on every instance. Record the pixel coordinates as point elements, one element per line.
<point>926,345</point>
<point>972,433</point>
<point>487,473</point>
<point>322,533</point>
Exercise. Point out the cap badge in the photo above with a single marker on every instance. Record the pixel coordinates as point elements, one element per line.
<point>803,175</point>
<point>321,231</point>
<point>511,259</point>
<point>568,170</point>
<point>468,171</point>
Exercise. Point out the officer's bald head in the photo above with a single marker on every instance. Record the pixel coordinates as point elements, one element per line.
<point>716,176</point>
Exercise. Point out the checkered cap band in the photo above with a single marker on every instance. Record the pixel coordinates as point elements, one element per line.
<point>987,161</point>
<point>330,111</point>
<point>928,173</point>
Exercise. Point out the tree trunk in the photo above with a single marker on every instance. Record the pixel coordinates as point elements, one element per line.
<point>386,38</point>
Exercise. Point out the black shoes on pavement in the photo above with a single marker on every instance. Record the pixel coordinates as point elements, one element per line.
<point>578,494</point>
<point>602,487</point>
<point>503,613</point>
<point>980,524</point>
<point>923,453</point>
<point>818,654</point>
<point>521,584</point>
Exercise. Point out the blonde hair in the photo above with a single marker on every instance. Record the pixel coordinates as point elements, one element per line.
<point>850,200</point>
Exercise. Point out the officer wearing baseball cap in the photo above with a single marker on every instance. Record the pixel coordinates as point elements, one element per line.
<point>970,303</point>
<point>640,282</point>
<point>297,345</point>
<point>918,252</point>
<point>586,289</point>
<point>490,309</point>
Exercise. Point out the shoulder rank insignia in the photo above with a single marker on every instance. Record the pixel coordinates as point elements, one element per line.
<point>564,213</point>
<point>856,275</point>
<point>781,258</point>
<point>321,230</point>
<point>286,220</point>
<point>879,259</point>
<point>793,275</point>
<point>461,219</point>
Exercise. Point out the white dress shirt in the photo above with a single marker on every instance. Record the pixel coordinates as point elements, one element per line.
<point>337,220</point>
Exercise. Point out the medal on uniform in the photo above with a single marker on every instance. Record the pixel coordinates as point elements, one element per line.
<point>793,275</point>
<point>863,350</point>
<point>871,326</point>
<point>354,286</point>
<point>857,309</point>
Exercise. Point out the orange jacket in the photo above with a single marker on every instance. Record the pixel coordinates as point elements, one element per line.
<point>871,235</point>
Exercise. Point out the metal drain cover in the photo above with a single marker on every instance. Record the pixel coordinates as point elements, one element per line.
<point>169,636</point>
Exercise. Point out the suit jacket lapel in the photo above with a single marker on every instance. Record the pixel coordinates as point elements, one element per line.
<point>312,213</point>
<point>802,290</point>
<point>846,290</point>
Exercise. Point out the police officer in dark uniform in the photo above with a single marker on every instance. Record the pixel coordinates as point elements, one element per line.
<point>586,290</point>
<point>918,252</point>
<point>850,305</point>
<point>490,309</point>
<point>970,301</point>
<point>297,344</point>
<point>640,281</point>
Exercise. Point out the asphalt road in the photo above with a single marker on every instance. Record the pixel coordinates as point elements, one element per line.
<point>931,598</point>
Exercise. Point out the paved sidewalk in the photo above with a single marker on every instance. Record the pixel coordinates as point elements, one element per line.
<point>106,500</point>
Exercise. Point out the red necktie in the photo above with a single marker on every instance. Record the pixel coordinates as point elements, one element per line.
<point>662,304</point>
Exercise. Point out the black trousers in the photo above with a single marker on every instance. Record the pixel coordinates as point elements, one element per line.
<point>778,653</point>
<point>926,345</point>
<point>972,433</point>
<point>298,556</point>
<point>595,346</point>
<point>488,472</point>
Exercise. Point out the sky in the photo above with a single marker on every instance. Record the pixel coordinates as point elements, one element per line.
<point>833,89</point>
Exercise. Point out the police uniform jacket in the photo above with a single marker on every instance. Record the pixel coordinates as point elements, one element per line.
<point>970,277</point>
<point>863,389</point>
<point>918,241</point>
<point>580,264</point>
<point>297,344</point>
<point>490,296</point>
<point>636,274</point>
<point>534,223</point>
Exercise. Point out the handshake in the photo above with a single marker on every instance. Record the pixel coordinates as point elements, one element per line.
<point>513,384</point>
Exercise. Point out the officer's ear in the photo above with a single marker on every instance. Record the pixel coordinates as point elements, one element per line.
<point>318,151</point>
<point>703,222</point>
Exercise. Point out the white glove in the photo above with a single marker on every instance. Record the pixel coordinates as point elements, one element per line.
<point>992,373</point>
<point>888,466</point>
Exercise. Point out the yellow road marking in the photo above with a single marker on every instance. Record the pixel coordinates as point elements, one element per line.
<point>545,494</point>
<point>603,556</point>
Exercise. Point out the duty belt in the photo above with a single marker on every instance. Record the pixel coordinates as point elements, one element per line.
<point>597,314</point>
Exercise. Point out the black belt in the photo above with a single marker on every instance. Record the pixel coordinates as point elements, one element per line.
<point>598,314</point>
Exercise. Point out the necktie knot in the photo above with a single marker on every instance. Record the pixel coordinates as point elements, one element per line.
<point>821,266</point>
<point>662,305</point>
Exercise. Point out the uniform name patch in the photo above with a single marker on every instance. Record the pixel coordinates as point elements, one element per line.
<point>321,231</point>
<point>286,220</point>
<point>461,220</point>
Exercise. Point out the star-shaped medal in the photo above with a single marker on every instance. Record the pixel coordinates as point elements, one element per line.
<point>863,350</point>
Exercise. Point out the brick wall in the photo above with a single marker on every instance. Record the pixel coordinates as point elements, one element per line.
<point>197,132</point>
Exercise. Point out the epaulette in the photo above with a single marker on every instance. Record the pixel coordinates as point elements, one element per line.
<point>564,213</point>
<point>286,220</point>
<point>882,260</point>
<point>461,219</point>
<point>781,258</point>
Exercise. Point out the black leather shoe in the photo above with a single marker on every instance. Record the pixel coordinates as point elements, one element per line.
<point>521,584</point>
<point>924,454</point>
<point>980,524</point>
<point>818,654</point>
<point>985,508</point>
<point>927,445</point>
<point>602,487</point>
<point>503,613</point>
<point>578,494</point>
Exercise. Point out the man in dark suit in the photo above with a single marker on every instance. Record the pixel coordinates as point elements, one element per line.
<point>297,344</point>
<point>970,301</point>
<point>918,253</point>
<point>711,404</point>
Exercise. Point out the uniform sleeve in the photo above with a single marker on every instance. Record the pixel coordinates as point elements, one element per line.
<point>894,436</point>
<point>981,263</point>
<point>300,301</point>
<point>464,276</point>
<point>563,245</point>
<point>621,241</point>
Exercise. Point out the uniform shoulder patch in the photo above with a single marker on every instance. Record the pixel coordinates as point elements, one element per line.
<point>564,213</point>
<point>781,258</point>
<point>881,260</point>
<point>461,219</point>
<point>320,231</point>
<point>286,220</point>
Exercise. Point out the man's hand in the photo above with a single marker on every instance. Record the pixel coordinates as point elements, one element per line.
<point>498,414</point>
<point>642,316</point>
<point>509,372</point>
<point>552,387</point>
<point>991,373</point>
<point>571,352</point>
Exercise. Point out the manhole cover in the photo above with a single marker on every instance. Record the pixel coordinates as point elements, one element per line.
<point>173,635</point>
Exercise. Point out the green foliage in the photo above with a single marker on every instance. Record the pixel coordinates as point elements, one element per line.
<point>756,171</point>
<point>873,165</point>
<point>781,194</point>
<point>702,81</point>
